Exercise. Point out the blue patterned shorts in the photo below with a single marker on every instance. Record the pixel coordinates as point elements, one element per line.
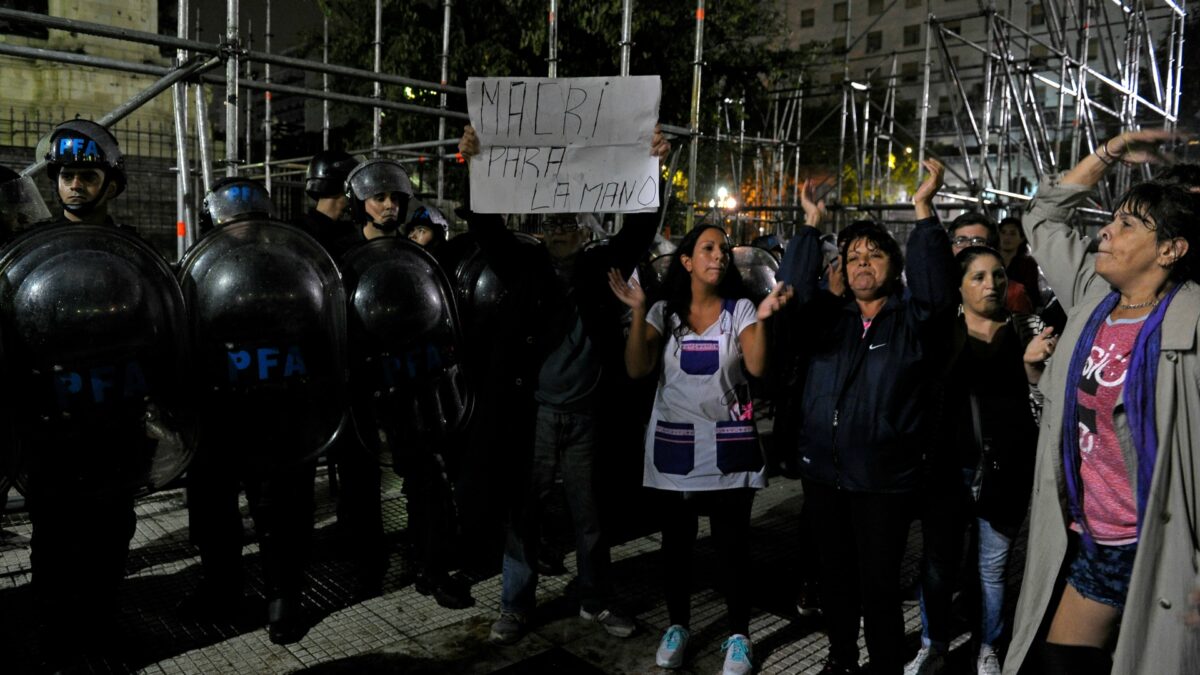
<point>1102,573</point>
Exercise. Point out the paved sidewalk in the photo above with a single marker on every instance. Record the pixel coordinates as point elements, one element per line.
<point>403,631</point>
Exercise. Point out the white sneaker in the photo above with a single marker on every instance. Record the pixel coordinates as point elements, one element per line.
<point>929,661</point>
<point>671,649</point>
<point>737,655</point>
<point>989,662</point>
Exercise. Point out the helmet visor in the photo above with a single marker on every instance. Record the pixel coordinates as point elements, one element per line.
<point>378,177</point>
<point>21,203</point>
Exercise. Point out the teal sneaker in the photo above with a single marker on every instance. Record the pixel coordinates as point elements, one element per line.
<point>671,649</point>
<point>737,655</point>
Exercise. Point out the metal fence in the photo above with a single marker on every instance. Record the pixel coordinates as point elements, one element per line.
<point>148,202</point>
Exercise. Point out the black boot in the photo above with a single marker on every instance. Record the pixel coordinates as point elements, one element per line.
<point>285,620</point>
<point>1055,659</point>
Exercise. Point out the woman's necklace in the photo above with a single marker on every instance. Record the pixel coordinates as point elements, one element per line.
<point>1141,305</point>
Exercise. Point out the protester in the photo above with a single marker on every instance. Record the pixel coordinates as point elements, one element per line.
<point>702,451</point>
<point>984,469</point>
<point>867,414</point>
<point>1114,529</point>
<point>976,229</point>
<point>552,380</point>
<point>1018,264</point>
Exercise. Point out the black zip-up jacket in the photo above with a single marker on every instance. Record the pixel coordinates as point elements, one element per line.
<point>868,403</point>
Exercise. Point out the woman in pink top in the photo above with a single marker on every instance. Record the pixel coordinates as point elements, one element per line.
<point>1114,543</point>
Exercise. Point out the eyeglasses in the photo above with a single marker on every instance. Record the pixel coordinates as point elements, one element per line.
<point>969,241</point>
<point>560,227</point>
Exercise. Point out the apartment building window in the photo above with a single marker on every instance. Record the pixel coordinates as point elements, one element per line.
<point>1037,15</point>
<point>912,35</point>
<point>953,26</point>
<point>874,41</point>
<point>910,72</point>
<point>839,45</point>
<point>840,11</point>
<point>875,7</point>
<point>808,17</point>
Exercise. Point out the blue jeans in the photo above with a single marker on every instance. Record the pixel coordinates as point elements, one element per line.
<point>564,443</point>
<point>938,571</point>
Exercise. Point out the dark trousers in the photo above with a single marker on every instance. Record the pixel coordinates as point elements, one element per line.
<point>945,512</point>
<point>78,554</point>
<point>281,502</point>
<point>728,514</point>
<point>861,538</point>
<point>432,517</point>
<point>360,506</point>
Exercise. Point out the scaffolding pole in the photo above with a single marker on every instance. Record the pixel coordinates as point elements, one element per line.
<point>267,128</point>
<point>184,216</point>
<point>694,118</point>
<point>231,87</point>
<point>377,112</point>
<point>441,149</point>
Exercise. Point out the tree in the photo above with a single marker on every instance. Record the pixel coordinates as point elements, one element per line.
<point>509,37</point>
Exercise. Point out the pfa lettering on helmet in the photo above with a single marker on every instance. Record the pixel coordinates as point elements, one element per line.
<point>79,149</point>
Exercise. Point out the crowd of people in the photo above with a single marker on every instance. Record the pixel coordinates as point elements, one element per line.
<point>913,383</point>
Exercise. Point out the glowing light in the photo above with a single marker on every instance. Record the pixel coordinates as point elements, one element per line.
<point>722,193</point>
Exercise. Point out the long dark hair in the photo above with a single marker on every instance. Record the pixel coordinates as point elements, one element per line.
<point>677,282</point>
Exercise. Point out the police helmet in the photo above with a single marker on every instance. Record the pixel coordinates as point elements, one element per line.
<point>373,177</point>
<point>326,175</point>
<point>86,144</point>
<point>83,144</point>
<point>432,218</point>
<point>235,198</point>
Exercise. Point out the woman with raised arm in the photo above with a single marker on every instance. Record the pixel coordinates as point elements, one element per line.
<point>1114,537</point>
<point>867,402</point>
<point>702,450</point>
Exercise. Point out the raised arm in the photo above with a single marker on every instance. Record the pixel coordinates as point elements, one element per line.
<point>631,244</point>
<point>932,278</point>
<point>1062,252</point>
<point>504,252</point>
<point>644,344</point>
<point>754,337</point>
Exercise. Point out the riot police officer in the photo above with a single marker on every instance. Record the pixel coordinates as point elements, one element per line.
<point>427,227</point>
<point>325,183</point>
<point>88,170</point>
<point>92,327</point>
<point>278,482</point>
<point>379,191</point>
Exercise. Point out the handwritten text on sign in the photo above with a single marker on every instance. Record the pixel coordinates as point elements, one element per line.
<point>564,145</point>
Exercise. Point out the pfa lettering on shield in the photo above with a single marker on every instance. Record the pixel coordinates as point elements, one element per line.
<point>265,364</point>
<point>96,385</point>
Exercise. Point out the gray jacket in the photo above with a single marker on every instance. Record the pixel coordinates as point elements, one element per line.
<point>1152,637</point>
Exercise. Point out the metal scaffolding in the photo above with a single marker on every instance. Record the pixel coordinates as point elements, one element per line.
<point>1027,106</point>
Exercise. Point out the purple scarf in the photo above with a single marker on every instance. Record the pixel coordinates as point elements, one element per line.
<point>1139,405</point>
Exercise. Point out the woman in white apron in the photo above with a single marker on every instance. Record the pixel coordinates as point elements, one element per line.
<point>702,450</point>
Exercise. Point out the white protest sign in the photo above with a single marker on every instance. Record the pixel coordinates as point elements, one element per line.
<point>564,145</point>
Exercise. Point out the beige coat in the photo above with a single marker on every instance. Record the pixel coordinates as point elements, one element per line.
<point>1153,638</point>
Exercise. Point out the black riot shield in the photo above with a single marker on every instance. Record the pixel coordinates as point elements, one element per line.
<point>758,268</point>
<point>95,346</point>
<point>408,388</point>
<point>479,292</point>
<point>267,313</point>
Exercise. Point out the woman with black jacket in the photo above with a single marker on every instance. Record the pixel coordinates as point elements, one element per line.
<point>984,474</point>
<point>871,361</point>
